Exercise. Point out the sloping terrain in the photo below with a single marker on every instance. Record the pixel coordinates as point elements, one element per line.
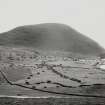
<point>51,36</point>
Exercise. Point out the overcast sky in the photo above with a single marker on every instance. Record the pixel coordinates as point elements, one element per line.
<point>87,16</point>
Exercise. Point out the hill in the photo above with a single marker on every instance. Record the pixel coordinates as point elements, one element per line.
<point>51,36</point>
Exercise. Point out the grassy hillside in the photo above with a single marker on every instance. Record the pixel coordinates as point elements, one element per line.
<point>51,36</point>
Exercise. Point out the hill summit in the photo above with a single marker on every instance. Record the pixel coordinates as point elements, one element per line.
<point>51,36</point>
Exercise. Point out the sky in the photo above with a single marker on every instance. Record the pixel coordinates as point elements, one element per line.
<point>86,16</point>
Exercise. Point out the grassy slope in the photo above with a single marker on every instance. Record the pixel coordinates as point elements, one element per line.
<point>51,36</point>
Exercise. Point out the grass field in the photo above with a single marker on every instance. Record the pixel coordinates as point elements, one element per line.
<point>28,70</point>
